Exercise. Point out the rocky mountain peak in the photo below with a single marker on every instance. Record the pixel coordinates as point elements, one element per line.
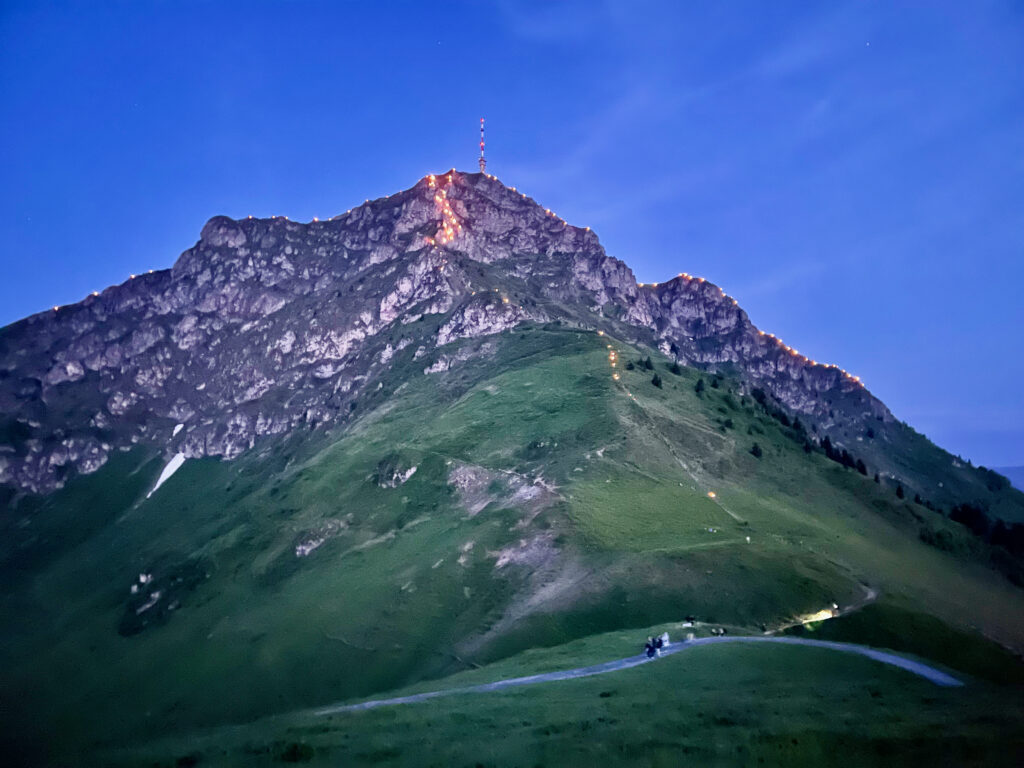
<point>267,324</point>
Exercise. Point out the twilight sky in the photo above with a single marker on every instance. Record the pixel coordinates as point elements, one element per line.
<point>851,171</point>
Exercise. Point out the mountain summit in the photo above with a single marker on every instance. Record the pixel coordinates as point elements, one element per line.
<point>268,324</point>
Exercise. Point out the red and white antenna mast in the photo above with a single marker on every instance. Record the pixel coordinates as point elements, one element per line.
<point>483,161</point>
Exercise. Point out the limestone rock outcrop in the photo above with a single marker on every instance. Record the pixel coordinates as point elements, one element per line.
<point>267,324</point>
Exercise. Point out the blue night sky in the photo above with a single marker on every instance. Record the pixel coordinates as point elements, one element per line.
<point>852,172</point>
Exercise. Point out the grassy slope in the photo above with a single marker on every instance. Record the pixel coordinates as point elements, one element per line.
<point>268,632</point>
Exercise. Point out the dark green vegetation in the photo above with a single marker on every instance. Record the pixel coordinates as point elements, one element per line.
<point>886,625</point>
<point>550,502</point>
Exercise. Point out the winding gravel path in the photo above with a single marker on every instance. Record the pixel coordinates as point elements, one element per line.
<point>916,667</point>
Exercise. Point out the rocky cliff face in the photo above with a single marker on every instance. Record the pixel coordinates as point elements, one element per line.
<point>268,324</point>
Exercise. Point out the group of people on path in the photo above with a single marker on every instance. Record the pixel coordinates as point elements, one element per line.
<point>654,645</point>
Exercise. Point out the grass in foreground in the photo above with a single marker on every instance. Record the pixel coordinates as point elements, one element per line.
<point>719,705</point>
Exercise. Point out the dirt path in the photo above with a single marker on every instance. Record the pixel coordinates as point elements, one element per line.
<point>918,668</point>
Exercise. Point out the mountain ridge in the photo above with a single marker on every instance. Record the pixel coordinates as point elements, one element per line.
<point>129,358</point>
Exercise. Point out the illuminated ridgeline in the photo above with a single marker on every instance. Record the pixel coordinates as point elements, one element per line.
<point>250,217</point>
<point>94,294</point>
<point>769,338</point>
<point>796,354</point>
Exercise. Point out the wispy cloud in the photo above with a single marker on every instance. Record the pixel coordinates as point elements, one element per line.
<point>545,21</point>
<point>778,281</point>
<point>600,132</point>
<point>792,57</point>
<point>811,44</point>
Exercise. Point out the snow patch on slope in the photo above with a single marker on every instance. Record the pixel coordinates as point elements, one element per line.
<point>172,466</point>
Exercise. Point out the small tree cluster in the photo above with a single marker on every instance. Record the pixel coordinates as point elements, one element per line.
<point>843,456</point>
<point>1009,537</point>
<point>993,480</point>
<point>756,451</point>
<point>971,516</point>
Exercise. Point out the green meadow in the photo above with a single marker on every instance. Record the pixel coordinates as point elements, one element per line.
<point>589,511</point>
<point>717,705</point>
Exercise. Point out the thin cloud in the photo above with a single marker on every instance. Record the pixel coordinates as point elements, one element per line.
<point>810,45</point>
<point>609,124</point>
<point>776,282</point>
<point>553,22</point>
<point>791,58</point>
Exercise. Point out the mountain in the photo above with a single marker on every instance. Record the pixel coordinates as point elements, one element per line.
<point>425,434</point>
<point>267,324</point>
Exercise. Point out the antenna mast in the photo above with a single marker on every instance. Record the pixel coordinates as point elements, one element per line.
<point>483,161</point>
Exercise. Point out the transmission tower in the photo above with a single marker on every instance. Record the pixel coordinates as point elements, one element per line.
<point>483,161</point>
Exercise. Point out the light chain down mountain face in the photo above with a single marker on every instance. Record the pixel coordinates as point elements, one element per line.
<point>268,324</point>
